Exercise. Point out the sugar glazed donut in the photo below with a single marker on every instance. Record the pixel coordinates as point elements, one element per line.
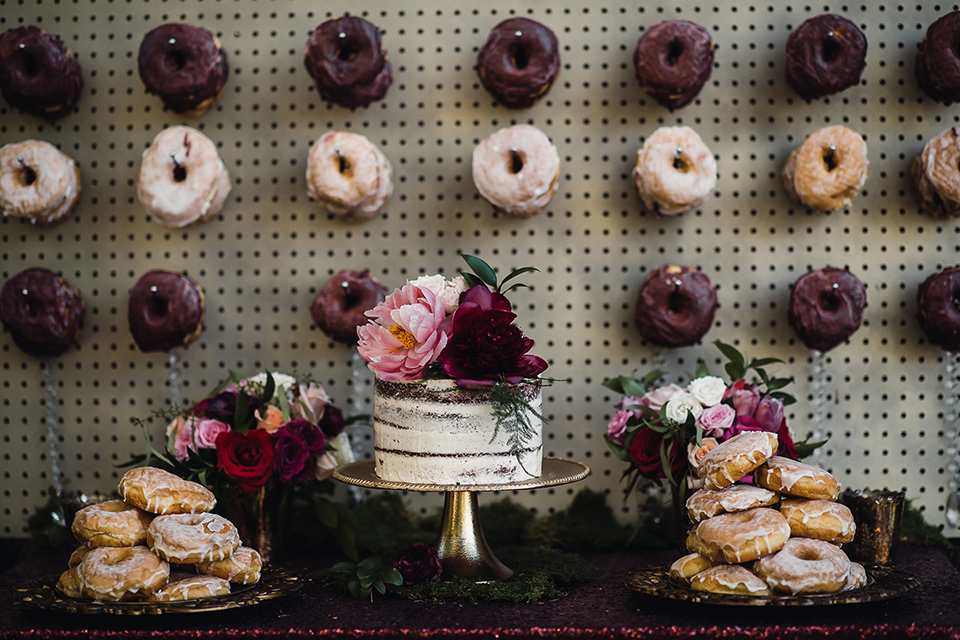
<point>516,170</point>
<point>182,178</point>
<point>804,565</point>
<point>519,62</point>
<point>38,182</point>
<point>731,579</point>
<point>937,308</point>
<point>675,171</point>
<point>38,73</point>
<point>828,170</point>
<point>742,536</point>
<point>192,538</point>
<point>675,306</point>
<point>112,523</point>
<point>158,491</point>
<point>349,176</point>
<point>184,65</point>
<point>938,61</point>
<point>856,578</point>
<point>347,61</point>
<point>735,458</point>
<point>673,60</point>
<point>242,567</point>
<point>121,573</point>
<point>686,567</point>
<point>797,479</point>
<point>820,519</point>
<point>826,54</point>
<point>936,175</point>
<point>826,307</point>
<point>706,503</point>
<point>68,584</point>
<point>165,310</point>
<point>41,311</point>
<point>340,305</point>
<point>190,587</point>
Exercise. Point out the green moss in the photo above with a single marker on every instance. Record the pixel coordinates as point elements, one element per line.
<point>589,523</point>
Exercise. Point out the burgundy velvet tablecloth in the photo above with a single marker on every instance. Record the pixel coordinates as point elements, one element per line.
<point>602,609</point>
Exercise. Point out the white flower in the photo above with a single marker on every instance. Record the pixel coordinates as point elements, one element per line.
<point>708,390</point>
<point>447,291</point>
<point>680,404</point>
<point>280,380</point>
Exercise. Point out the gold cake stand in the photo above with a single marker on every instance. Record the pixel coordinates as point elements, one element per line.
<point>462,549</point>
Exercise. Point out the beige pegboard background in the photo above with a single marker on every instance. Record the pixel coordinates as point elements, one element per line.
<point>263,259</point>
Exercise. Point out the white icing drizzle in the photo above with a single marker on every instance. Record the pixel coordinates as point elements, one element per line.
<point>736,457</point>
<point>189,538</point>
<point>744,535</point>
<point>733,577</point>
<point>804,564</point>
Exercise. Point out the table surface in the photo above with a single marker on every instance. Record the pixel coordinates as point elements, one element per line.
<point>601,609</point>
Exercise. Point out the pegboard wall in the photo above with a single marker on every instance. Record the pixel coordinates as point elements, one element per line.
<point>264,258</point>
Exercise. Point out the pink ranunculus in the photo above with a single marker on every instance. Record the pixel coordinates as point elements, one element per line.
<point>405,335</point>
<point>717,419</point>
<point>743,423</point>
<point>769,413</point>
<point>659,396</point>
<point>311,403</point>
<point>745,397</point>
<point>617,427</point>
<point>183,440</point>
<point>205,432</point>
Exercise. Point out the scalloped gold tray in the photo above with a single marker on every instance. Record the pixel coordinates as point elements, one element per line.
<point>274,583</point>
<point>883,583</point>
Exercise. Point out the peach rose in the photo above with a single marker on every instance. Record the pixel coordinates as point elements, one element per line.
<point>272,421</point>
<point>695,454</point>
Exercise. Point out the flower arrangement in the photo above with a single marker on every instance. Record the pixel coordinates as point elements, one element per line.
<point>664,431</point>
<point>460,329</point>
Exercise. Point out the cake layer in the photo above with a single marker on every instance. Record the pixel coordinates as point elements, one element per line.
<point>434,432</point>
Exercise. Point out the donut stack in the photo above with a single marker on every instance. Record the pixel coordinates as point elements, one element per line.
<point>781,536</point>
<point>159,543</point>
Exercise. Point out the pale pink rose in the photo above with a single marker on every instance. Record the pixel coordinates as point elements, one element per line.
<point>311,404</point>
<point>183,440</point>
<point>717,419</point>
<point>659,396</point>
<point>617,428</point>
<point>326,463</point>
<point>205,432</point>
<point>695,454</point>
<point>269,421</point>
<point>406,335</point>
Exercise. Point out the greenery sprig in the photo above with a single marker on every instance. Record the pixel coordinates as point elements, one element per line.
<point>483,274</point>
<point>512,414</point>
<point>369,575</point>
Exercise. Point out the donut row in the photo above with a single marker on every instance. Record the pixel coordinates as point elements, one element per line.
<point>779,536</point>
<point>128,546</point>
<point>186,67</point>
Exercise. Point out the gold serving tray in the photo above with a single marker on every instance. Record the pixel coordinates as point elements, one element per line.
<point>274,583</point>
<point>883,583</point>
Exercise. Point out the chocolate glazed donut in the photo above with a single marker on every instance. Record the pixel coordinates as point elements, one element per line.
<point>675,306</point>
<point>41,311</point>
<point>165,310</point>
<point>38,73</point>
<point>825,54</point>
<point>673,61</point>
<point>519,62</point>
<point>347,61</point>
<point>826,307</point>
<point>938,308</point>
<point>340,306</point>
<point>184,66</point>
<point>938,59</point>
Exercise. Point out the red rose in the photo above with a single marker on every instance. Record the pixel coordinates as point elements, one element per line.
<point>247,458</point>
<point>786,448</point>
<point>645,454</point>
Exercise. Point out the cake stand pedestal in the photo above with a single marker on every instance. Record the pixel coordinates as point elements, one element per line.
<point>462,549</point>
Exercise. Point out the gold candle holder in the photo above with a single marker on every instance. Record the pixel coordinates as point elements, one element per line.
<point>878,514</point>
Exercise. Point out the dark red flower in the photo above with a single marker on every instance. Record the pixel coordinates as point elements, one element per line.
<point>332,422</point>
<point>786,448</point>
<point>418,563</point>
<point>645,454</point>
<point>247,459</point>
<point>484,345</point>
<point>291,457</point>
<point>313,437</point>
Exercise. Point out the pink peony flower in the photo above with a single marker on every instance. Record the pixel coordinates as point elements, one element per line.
<point>659,396</point>
<point>769,413</point>
<point>205,432</point>
<point>406,334</point>
<point>183,439</point>
<point>311,404</point>
<point>717,419</point>
<point>617,428</point>
<point>745,397</point>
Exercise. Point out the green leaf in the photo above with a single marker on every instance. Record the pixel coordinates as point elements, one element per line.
<point>380,587</point>
<point>471,280</point>
<point>513,274</point>
<point>652,377</point>
<point>736,367</point>
<point>269,387</point>
<point>633,387</point>
<point>482,269</point>
<point>614,384</point>
<point>344,567</point>
<point>763,362</point>
<point>284,404</point>
<point>701,370</point>
<point>355,590</point>
<point>241,412</point>
<point>805,448</point>
<point>389,575</point>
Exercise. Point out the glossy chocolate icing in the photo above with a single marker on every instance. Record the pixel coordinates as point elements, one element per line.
<point>938,308</point>
<point>675,306</point>
<point>347,61</point>
<point>38,73</point>
<point>340,305</point>
<point>519,62</point>
<point>183,65</point>
<point>826,307</point>
<point>673,60</point>
<point>41,311</point>
<point>825,54</point>
<point>938,59</point>
<point>165,310</point>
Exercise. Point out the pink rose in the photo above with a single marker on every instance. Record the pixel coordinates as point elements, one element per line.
<point>717,419</point>
<point>617,428</point>
<point>205,432</point>
<point>311,404</point>
<point>743,423</point>
<point>745,397</point>
<point>695,454</point>
<point>659,396</point>
<point>183,440</point>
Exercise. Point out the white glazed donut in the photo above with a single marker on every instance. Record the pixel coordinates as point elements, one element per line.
<point>182,178</point>
<point>675,171</point>
<point>516,170</point>
<point>348,175</point>
<point>38,182</point>
<point>192,538</point>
